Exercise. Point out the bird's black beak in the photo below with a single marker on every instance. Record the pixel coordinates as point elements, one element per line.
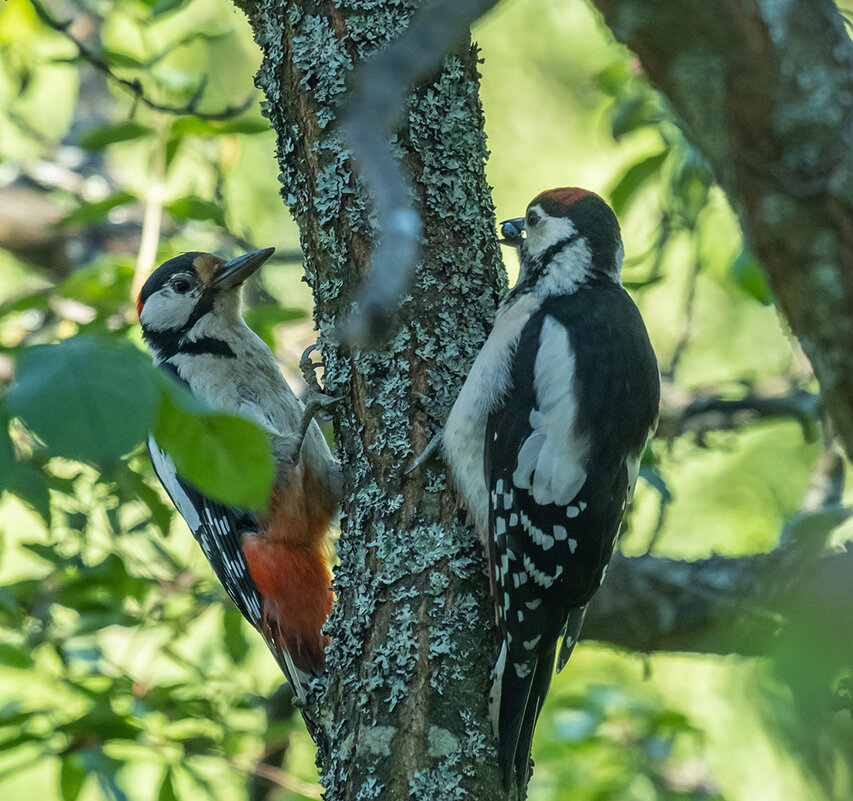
<point>511,232</point>
<point>231,274</point>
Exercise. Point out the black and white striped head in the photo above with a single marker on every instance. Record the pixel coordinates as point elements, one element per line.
<point>567,237</point>
<point>192,296</point>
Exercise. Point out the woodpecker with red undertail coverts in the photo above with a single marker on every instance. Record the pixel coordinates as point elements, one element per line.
<point>273,564</point>
<point>544,444</point>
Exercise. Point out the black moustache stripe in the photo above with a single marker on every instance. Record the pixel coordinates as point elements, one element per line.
<point>171,342</point>
<point>552,251</point>
<point>209,345</point>
<point>204,305</point>
<point>533,270</point>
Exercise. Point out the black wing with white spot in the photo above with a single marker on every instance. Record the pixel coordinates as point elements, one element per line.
<point>561,455</point>
<point>219,530</point>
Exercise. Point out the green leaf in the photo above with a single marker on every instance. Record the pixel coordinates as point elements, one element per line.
<point>99,138</point>
<point>30,485</point>
<point>612,79</point>
<point>166,7</point>
<point>746,274</point>
<point>117,59</point>
<point>102,724</point>
<point>94,212</point>
<point>37,299</point>
<point>631,114</point>
<point>224,456</point>
<point>8,463</point>
<point>193,126</point>
<point>193,207</point>
<point>691,185</point>
<point>235,639</point>
<point>21,739</point>
<point>172,147</point>
<point>14,656</point>
<point>104,285</point>
<point>247,125</point>
<point>72,774</point>
<point>45,552</point>
<point>89,399</point>
<point>133,487</point>
<point>167,791</point>
<point>633,179</point>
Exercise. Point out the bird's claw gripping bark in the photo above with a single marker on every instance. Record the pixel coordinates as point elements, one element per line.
<point>317,401</point>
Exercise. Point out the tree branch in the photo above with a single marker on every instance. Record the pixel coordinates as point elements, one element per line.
<point>135,86</point>
<point>765,91</point>
<point>720,605</point>
<point>735,604</point>
<point>699,413</point>
<point>372,111</point>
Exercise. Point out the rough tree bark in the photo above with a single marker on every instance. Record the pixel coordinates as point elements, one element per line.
<point>405,706</point>
<point>764,89</point>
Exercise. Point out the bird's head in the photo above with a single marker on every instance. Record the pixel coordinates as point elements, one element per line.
<point>194,295</point>
<point>566,237</point>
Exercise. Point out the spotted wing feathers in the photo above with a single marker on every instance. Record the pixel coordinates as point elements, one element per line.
<point>561,457</point>
<point>220,531</point>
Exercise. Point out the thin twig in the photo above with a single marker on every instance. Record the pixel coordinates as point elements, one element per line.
<point>283,779</point>
<point>135,86</point>
<point>149,241</point>
<point>689,302</point>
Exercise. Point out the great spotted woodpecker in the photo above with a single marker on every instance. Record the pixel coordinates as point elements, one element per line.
<point>273,564</point>
<point>544,444</point>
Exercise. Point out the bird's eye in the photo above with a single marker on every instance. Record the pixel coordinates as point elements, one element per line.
<point>181,286</point>
<point>532,218</point>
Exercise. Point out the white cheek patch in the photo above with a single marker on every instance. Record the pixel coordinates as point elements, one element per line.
<point>548,232</point>
<point>164,311</point>
<point>552,460</point>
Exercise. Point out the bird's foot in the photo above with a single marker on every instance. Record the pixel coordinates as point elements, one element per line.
<point>317,401</point>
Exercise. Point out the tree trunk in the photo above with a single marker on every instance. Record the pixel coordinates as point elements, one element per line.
<point>765,91</point>
<point>404,708</point>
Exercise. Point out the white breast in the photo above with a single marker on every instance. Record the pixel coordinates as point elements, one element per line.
<point>464,433</point>
<point>251,386</point>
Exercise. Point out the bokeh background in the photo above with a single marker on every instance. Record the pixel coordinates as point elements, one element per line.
<point>124,672</point>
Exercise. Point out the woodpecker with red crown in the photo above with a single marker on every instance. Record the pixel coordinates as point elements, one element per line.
<point>544,443</point>
<point>273,563</point>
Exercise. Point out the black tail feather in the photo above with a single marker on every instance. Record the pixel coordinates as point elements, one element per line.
<point>521,700</point>
<point>538,690</point>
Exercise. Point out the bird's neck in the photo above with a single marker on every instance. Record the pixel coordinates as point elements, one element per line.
<point>209,335</point>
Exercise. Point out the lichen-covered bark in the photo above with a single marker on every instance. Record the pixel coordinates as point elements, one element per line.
<point>404,707</point>
<point>764,88</point>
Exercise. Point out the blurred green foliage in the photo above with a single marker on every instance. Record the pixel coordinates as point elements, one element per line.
<point>124,671</point>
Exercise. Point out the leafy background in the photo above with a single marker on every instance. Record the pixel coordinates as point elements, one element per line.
<point>124,671</point>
